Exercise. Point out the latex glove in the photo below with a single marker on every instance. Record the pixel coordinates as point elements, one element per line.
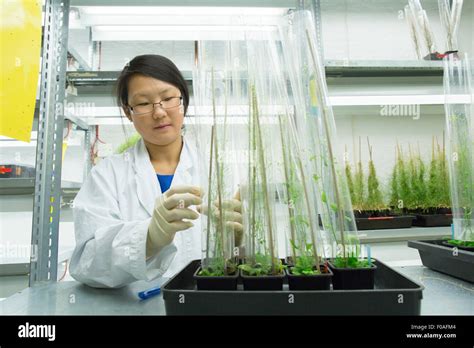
<point>232,210</point>
<point>171,209</point>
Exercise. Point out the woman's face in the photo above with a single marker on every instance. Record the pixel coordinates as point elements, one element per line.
<point>160,126</point>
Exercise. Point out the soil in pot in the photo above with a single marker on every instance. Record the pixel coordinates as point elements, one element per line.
<point>205,280</point>
<point>356,274</point>
<point>316,281</point>
<point>255,277</point>
<point>372,213</point>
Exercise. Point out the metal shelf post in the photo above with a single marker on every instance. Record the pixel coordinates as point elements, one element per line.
<point>45,226</point>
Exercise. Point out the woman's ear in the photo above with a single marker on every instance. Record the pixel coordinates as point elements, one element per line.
<point>126,111</point>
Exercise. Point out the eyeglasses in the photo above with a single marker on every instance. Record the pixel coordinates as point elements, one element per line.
<point>147,108</point>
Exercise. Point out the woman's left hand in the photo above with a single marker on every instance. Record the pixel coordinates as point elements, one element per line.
<point>232,210</point>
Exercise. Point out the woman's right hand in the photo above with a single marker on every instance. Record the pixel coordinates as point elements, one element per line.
<point>171,209</point>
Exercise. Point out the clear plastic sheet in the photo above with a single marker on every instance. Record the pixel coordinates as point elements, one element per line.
<point>458,83</point>
<point>275,143</point>
<point>216,87</point>
<point>317,132</point>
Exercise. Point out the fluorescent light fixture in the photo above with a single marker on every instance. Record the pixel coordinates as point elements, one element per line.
<point>434,99</point>
<point>181,28</point>
<point>177,20</point>
<point>179,33</point>
<point>181,10</point>
<point>132,23</point>
<point>178,16</point>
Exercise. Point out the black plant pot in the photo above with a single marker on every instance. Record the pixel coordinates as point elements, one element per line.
<point>228,282</point>
<point>434,220</point>
<point>352,278</point>
<point>310,282</point>
<point>267,282</point>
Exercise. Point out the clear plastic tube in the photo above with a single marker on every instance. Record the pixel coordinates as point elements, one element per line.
<point>316,128</point>
<point>412,26</point>
<point>288,169</point>
<point>458,82</point>
<point>260,208</point>
<point>218,167</point>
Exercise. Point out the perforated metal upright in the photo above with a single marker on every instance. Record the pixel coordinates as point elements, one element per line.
<point>45,227</point>
<point>314,6</point>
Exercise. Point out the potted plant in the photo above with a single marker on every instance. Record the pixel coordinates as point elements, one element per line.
<point>435,209</point>
<point>316,124</point>
<point>358,197</point>
<point>218,269</point>
<point>352,271</point>
<point>261,269</point>
<point>370,210</point>
<point>305,269</point>
<point>401,193</point>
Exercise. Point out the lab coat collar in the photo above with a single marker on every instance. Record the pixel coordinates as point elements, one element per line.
<point>148,188</point>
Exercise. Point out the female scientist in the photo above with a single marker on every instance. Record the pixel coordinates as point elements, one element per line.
<point>134,214</point>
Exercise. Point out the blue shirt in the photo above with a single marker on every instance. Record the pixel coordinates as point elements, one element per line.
<point>165,181</point>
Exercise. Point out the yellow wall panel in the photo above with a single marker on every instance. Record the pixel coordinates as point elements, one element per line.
<point>20,46</point>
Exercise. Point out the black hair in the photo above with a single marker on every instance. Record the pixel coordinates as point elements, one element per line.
<point>155,66</point>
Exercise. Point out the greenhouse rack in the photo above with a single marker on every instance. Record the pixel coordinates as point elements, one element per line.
<point>394,294</point>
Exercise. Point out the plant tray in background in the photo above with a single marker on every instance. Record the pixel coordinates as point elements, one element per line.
<point>181,297</point>
<point>443,259</point>
<point>434,220</point>
<point>384,222</point>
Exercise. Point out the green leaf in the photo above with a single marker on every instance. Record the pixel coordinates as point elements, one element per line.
<point>293,244</point>
<point>323,197</point>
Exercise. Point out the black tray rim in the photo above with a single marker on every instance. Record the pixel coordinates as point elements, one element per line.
<point>419,287</point>
<point>426,246</point>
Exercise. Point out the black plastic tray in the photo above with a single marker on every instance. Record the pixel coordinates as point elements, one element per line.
<point>441,258</point>
<point>382,223</point>
<point>394,294</point>
<point>434,220</point>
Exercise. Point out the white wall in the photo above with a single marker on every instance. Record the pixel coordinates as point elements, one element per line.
<point>377,30</point>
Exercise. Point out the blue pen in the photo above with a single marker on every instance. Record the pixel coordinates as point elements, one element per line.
<point>149,293</point>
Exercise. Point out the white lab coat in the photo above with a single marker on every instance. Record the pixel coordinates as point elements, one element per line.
<point>112,212</point>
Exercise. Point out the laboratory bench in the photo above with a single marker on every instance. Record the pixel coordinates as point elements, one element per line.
<point>443,295</point>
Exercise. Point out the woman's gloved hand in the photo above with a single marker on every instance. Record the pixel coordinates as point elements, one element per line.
<point>232,210</point>
<point>170,211</point>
